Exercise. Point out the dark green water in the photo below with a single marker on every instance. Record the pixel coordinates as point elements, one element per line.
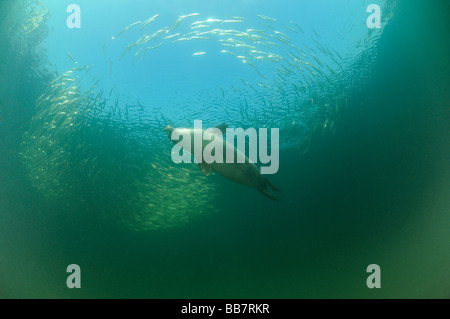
<point>375,192</point>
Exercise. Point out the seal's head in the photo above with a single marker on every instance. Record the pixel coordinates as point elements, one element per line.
<point>169,129</point>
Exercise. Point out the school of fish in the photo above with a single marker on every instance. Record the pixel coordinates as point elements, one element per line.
<point>91,148</point>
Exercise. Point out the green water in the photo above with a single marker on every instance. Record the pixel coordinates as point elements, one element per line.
<point>374,192</point>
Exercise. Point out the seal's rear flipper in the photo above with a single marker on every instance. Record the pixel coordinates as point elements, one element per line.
<point>268,182</point>
<point>265,192</point>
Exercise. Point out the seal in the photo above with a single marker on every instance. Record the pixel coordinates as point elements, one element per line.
<point>246,173</point>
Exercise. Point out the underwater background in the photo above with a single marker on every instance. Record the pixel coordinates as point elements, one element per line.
<point>85,170</point>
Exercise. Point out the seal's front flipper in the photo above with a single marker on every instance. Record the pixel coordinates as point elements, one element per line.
<point>205,168</point>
